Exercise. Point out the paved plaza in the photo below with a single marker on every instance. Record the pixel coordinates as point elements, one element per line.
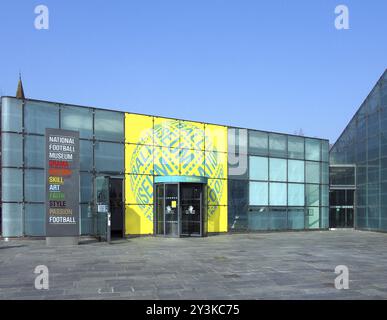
<point>282,265</point>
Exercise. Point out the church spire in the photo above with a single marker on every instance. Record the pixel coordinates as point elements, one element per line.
<point>20,90</point>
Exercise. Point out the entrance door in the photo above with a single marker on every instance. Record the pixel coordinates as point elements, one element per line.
<point>191,198</point>
<point>179,209</point>
<point>341,208</point>
<point>116,208</point>
<point>337,217</point>
<point>108,200</point>
<point>102,202</point>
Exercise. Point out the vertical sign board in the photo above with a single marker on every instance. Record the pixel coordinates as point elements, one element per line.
<point>62,183</point>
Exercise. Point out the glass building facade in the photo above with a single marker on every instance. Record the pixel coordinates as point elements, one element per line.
<point>252,180</point>
<point>23,124</point>
<point>363,144</point>
<point>277,181</point>
<point>283,183</point>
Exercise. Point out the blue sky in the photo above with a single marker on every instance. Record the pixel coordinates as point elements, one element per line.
<point>269,65</point>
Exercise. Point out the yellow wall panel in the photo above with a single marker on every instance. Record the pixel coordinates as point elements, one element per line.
<point>217,192</point>
<point>216,138</point>
<point>191,135</point>
<point>138,159</point>
<point>166,132</point>
<point>138,129</point>
<point>191,162</point>
<point>216,165</point>
<point>166,161</point>
<point>217,219</point>
<point>138,219</point>
<point>138,189</point>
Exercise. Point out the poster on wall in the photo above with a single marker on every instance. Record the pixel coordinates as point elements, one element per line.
<point>62,183</point>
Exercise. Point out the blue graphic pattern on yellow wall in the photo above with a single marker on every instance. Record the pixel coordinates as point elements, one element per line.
<point>174,147</point>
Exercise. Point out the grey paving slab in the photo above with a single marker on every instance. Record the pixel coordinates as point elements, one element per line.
<point>285,265</point>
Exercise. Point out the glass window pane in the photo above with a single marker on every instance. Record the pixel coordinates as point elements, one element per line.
<point>277,145</point>
<point>296,218</point>
<point>324,217</point>
<point>312,172</point>
<point>296,194</point>
<point>258,168</point>
<point>238,201</point>
<point>277,169</point>
<point>278,194</point>
<point>312,149</point>
<point>312,195</point>
<point>12,184</point>
<point>237,218</point>
<point>11,114</point>
<point>338,197</point>
<point>238,170</point>
<point>296,147</point>
<point>324,195</point>
<point>373,124</point>
<point>86,187</point>
<point>258,143</point>
<point>109,157</point>
<point>34,151</point>
<point>361,132</point>
<point>238,193</point>
<point>296,171</point>
<point>232,140</point>
<point>258,219</point>
<point>34,185</point>
<point>373,148</point>
<point>39,115</point>
<point>12,145</point>
<point>12,218</point>
<point>35,220</point>
<point>278,218</point>
<point>344,176</point>
<point>325,151</point>
<point>313,218</point>
<point>325,173</point>
<point>78,119</point>
<point>86,155</point>
<point>258,193</point>
<point>109,125</point>
<point>87,225</point>
<point>237,141</point>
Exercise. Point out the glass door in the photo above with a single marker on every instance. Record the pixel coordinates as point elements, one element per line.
<point>191,197</point>
<point>159,214</point>
<point>341,217</point>
<point>179,209</point>
<point>116,207</point>
<point>102,203</point>
<point>341,208</point>
<point>337,217</point>
<point>171,210</point>
<point>349,218</point>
